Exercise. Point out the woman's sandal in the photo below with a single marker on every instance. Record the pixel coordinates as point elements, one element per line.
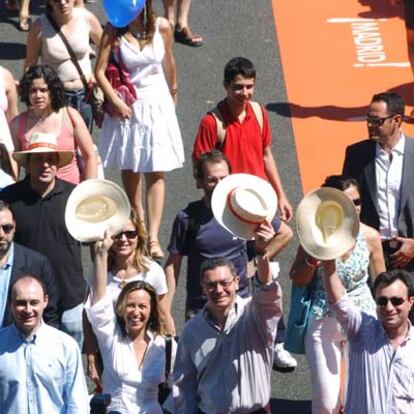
<point>24,24</point>
<point>155,250</point>
<point>187,37</point>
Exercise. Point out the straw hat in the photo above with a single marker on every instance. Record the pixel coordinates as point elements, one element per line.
<point>41,142</point>
<point>95,206</point>
<point>242,201</point>
<point>327,223</point>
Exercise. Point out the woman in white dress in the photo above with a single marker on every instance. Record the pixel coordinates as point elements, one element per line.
<point>144,138</point>
<point>132,348</point>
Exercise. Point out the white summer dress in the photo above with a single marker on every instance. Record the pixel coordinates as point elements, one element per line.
<point>151,140</point>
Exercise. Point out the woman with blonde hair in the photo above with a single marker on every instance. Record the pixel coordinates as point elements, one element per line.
<point>143,138</point>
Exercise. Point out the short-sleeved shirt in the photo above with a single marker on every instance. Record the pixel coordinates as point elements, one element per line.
<point>197,235</point>
<point>40,225</point>
<point>244,142</point>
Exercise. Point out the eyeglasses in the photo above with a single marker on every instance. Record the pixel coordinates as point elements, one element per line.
<point>7,228</point>
<point>60,1</point>
<point>223,283</point>
<point>377,120</point>
<point>129,234</point>
<point>395,301</point>
<point>356,201</point>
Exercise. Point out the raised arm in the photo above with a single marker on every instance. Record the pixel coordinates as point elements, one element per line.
<point>263,236</point>
<point>100,268</point>
<point>303,268</point>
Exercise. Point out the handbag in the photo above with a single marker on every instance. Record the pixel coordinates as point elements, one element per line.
<point>164,388</point>
<point>120,81</point>
<point>94,94</point>
<point>300,309</point>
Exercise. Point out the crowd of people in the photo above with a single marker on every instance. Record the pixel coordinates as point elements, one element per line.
<point>353,266</point>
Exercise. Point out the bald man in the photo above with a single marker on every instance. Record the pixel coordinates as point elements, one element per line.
<point>40,366</point>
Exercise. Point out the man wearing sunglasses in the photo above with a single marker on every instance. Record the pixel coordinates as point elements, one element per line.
<point>17,260</point>
<point>381,351</point>
<point>383,166</point>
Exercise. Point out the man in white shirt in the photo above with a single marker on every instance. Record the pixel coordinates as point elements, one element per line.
<point>225,353</point>
<point>40,367</point>
<point>383,165</point>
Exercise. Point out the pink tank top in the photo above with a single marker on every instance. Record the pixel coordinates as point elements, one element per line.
<point>65,141</point>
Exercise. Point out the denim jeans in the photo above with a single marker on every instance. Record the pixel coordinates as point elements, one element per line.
<point>75,99</point>
<point>72,324</point>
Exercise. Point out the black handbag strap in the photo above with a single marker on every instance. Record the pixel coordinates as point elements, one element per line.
<point>52,21</point>
<point>168,356</point>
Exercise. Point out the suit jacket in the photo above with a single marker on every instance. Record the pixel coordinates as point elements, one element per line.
<point>29,262</point>
<point>360,164</point>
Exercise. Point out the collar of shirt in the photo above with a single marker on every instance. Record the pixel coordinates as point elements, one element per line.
<point>10,257</point>
<point>229,117</point>
<point>33,338</point>
<point>57,189</point>
<point>231,317</point>
<point>397,149</point>
<point>408,337</point>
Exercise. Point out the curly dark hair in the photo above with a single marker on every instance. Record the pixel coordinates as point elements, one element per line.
<point>52,80</point>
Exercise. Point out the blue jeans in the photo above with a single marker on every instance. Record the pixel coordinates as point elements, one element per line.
<point>72,324</point>
<point>75,99</point>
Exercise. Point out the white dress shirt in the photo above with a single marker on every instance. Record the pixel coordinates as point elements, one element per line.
<point>133,389</point>
<point>388,174</point>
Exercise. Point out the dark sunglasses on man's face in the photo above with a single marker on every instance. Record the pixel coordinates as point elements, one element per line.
<point>395,301</point>
<point>7,228</point>
<point>377,120</point>
<point>129,234</point>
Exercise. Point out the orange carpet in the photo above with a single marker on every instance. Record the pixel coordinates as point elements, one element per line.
<point>335,55</point>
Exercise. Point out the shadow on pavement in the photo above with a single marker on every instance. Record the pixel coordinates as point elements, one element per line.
<point>12,51</point>
<point>290,407</point>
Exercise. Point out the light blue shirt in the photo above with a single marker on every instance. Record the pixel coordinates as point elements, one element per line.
<point>381,379</point>
<point>5,274</point>
<point>41,375</point>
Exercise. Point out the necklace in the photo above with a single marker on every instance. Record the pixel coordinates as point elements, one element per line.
<point>141,34</point>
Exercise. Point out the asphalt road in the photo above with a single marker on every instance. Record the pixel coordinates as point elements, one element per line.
<point>230,28</point>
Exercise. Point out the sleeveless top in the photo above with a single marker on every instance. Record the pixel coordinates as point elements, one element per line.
<point>54,52</point>
<point>65,142</point>
<point>353,273</point>
<point>5,137</point>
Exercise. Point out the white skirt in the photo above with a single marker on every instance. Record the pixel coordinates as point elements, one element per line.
<point>149,141</point>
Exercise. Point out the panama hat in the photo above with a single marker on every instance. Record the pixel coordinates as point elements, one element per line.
<point>242,201</point>
<point>95,206</point>
<point>327,223</point>
<point>41,142</point>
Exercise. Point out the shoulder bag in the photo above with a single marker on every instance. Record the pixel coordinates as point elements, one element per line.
<point>164,388</point>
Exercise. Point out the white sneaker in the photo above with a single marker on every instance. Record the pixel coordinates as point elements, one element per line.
<point>283,361</point>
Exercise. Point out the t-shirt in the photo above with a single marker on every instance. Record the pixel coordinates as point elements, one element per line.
<point>244,142</point>
<point>40,225</point>
<point>197,235</point>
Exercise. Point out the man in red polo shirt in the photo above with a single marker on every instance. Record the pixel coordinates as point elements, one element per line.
<point>240,129</point>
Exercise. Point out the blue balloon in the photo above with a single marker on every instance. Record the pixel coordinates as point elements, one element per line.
<point>122,12</point>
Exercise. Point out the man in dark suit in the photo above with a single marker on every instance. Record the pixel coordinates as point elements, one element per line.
<point>16,261</point>
<point>383,165</point>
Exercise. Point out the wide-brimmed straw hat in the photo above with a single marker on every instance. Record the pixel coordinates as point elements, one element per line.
<point>327,223</point>
<point>41,142</point>
<point>242,201</point>
<point>95,206</point>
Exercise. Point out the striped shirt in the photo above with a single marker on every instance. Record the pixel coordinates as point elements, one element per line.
<point>381,379</point>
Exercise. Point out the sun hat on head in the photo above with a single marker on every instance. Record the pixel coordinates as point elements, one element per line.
<point>242,201</point>
<point>327,223</point>
<point>95,206</point>
<point>41,142</point>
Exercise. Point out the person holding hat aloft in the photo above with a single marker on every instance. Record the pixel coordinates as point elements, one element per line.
<point>328,227</point>
<point>38,205</point>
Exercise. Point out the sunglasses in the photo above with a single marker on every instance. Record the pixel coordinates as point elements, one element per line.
<point>129,234</point>
<point>395,301</point>
<point>377,120</point>
<point>356,201</point>
<point>223,283</point>
<point>7,228</point>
